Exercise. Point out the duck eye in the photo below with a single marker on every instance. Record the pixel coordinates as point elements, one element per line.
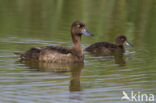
<point>78,26</point>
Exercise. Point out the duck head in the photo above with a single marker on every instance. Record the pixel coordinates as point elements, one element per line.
<point>78,28</point>
<point>121,40</point>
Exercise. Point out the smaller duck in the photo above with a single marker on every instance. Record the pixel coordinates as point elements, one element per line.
<point>106,48</point>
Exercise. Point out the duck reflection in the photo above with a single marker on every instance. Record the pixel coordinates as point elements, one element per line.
<point>75,81</point>
<point>75,86</point>
<point>74,68</point>
<point>119,59</point>
<point>53,67</point>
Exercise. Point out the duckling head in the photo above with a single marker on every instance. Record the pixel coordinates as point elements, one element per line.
<point>121,40</point>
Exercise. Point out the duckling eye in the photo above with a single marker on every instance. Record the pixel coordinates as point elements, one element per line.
<point>78,26</point>
<point>122,39</point>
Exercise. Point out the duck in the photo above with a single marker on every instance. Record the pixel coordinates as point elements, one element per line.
<point>60,54</point>
<point>107,48</point>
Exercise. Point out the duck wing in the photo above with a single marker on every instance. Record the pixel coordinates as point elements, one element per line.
<point>58,49</point>
<point>34,53</point>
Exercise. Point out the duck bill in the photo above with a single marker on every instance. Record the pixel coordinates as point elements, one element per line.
<point>85,32</point>
<point>128,43</point>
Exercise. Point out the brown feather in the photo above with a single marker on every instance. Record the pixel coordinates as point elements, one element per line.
<point>106,48</point>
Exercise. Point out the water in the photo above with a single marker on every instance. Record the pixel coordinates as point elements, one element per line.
<point>30,23</point>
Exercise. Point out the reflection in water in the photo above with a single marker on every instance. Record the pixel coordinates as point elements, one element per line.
<point>74,68</point>
<point>120,59</point>
<point>53,67</point>
<point>75,83</point>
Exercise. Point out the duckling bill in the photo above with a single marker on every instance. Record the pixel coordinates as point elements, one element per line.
<point>57,53</point>
<point>107,48</point>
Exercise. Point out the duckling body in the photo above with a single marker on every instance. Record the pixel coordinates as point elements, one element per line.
<point>106,48</point>
<point>57,53</point>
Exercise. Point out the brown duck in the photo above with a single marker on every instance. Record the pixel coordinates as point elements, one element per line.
<point>106,48</point>
<point>57,53</point>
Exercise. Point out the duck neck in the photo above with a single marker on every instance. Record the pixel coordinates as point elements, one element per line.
<point>119,44</point>
<point>76,49</point>
<point>121,47</point>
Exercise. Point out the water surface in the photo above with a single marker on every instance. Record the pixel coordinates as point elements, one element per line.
<point>30,23</point>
